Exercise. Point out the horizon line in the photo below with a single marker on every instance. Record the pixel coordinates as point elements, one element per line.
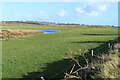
<point>59,22</point>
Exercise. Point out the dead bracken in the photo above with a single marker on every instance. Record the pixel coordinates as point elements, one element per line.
<point>6,34</point>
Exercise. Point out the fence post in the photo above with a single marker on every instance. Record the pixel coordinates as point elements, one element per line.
<point>42,78</point>
<point>92,52</point>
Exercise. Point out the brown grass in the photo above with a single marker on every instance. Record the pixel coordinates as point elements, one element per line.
<point>6,34</point>
<point>106,67</point>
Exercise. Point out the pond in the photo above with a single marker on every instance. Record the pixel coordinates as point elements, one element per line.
<point>49,31</point>
<point>46,32</point>
<point>22,39</point>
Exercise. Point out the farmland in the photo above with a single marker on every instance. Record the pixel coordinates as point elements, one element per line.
<point>20,57</point>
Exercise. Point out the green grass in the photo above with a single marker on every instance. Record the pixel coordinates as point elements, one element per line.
<point>22,56</point>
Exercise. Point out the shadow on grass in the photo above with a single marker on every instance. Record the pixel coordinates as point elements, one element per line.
<point>52,71</point>
<point>100,34</point>
<point>56,70</point>
<point>91,42</point>
<point>102,49</point>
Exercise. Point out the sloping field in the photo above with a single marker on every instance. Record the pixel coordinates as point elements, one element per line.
<point>21,57</point>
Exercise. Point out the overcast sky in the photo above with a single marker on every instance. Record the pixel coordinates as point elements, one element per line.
<point>95,13</point>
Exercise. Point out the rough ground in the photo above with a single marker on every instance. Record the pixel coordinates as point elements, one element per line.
<point>6,34</point>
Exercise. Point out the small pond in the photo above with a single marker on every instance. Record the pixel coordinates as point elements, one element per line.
<point>50,31</point>
<point>46,32</point>
<point>22,39</point>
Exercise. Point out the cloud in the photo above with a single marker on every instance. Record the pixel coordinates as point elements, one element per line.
<point>85,12</point>
<point>79,9</point>
<point>102,7</point>
<point>30,16</point>
<point>18,14</point>
<point>45,18</point>
<point>41,12</point>
<point>93,13</point>
<point>61,13</point>
<point>91,9</point>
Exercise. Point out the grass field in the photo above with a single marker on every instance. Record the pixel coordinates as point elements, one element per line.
<point>20,57</point>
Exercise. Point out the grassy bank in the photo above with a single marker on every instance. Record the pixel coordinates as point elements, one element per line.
<point>102,64</point>
<point>24,56</point>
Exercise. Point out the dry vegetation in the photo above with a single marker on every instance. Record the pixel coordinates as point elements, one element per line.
<point>6,34</point>
<point>104,66</point>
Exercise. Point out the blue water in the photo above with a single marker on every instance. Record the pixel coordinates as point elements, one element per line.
<point>49,31</point>
<point>45,32</point>
<point>22,39</point>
